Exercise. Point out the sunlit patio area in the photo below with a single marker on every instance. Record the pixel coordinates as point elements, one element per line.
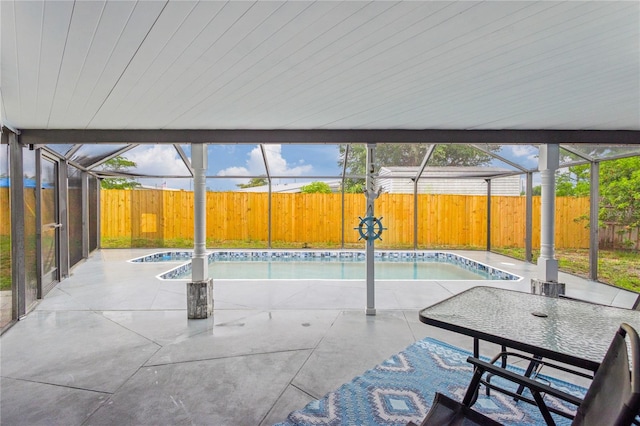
<point>112,343</point>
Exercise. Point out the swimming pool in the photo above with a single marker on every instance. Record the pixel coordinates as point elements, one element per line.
<point>332,265</point>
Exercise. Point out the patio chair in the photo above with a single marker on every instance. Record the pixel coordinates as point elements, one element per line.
<point>613,398</point>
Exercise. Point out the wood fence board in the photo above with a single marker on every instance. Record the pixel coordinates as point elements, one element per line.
<point>443,219</point>
<point>5,212</point>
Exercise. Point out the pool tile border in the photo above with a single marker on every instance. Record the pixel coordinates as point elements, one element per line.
<point>427,256</point>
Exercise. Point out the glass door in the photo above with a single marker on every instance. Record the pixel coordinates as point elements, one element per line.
<point>50,224</point>
<point>6,278</point>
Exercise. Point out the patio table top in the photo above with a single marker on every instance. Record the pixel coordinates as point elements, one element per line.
<point>574,332</point>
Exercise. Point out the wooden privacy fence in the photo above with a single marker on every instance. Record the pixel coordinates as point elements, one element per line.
<point>443,220</point>
<point>5,220</point>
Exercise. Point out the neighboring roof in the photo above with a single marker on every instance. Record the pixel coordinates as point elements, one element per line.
<point>162,187</point>
<point>444,172</point>
<point>449,180</point>
<point>294,187</point>
<point>320,65</point>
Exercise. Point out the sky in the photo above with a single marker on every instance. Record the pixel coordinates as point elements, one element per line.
<point>229,163</point>
<point>298,163</point>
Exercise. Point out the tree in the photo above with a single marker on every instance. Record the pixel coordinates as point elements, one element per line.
<point>119,164</point>
<point>460,155</point>
<point>574,181</point>
<point>408,155</point>
<point>316,187</point>
<point>620,191</point>
<point>259,181</point>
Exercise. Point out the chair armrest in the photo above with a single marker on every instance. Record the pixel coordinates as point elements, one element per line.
<point>544,363</point>
<point>522,380</point>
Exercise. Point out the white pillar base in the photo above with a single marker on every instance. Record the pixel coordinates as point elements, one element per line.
<point>199,269</point>
<point>547,269</point>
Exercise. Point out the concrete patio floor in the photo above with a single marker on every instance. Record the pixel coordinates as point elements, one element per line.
<point>112,344</point>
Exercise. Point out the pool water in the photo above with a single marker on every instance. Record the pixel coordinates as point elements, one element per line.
<point>330,265</point>
<point>337,270</point>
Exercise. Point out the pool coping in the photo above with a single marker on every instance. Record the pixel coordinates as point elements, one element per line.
<point>184,256</point>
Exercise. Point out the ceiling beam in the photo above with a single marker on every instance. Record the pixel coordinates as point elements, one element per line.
<point>333,136</point>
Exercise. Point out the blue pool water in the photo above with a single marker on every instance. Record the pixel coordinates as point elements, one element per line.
<point>339,270</point>
<point>332,265</point>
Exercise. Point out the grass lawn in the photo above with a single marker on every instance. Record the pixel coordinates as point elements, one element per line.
<point>617,267</point>
<point>5,262</point>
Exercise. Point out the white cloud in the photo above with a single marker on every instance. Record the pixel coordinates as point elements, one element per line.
<point>278,165</point>
<point>29,164</point>
<point>524,151</point>
<point>234,171</point>
<point>157,160</point>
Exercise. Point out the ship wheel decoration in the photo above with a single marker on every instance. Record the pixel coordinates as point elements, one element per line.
<point>370,228</point>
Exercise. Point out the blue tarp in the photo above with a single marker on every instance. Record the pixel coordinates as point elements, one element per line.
<point>28,183</point>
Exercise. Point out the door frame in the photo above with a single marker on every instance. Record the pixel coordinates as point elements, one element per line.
<point>48,279</point>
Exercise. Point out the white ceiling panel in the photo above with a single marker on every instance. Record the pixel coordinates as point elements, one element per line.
<point>9,83</point>
<point>184,63</point>
<point>176,56</point>
<point>51,55</point>
<point>28,54</point>
<point>129,58</point>
<point>211,65</point>
<point>312,65</point>
<point>122,27</point>
<point>234,53</point>
<point>85,18</point>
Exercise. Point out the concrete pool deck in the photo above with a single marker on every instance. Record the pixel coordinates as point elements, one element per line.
<point>112,344</point>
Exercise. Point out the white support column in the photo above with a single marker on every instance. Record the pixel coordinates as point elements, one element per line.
<point>200,290</point>
<point>199,164</point>
<point>371,194</point>
<point>547,282</point>
<point>548,164</point>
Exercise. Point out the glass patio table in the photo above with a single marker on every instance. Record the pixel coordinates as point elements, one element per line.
<point>568,331</point>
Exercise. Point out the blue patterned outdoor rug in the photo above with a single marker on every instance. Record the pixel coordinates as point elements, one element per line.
<point>402,388</point>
